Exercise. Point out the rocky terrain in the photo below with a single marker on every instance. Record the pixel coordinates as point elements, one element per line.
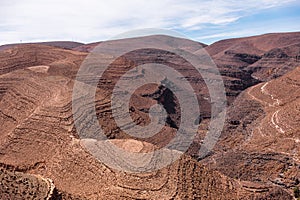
<point>257,156</point>
<point>260,142</point>
<point>259,58</point>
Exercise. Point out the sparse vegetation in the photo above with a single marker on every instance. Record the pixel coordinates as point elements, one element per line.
<point>297,192</point>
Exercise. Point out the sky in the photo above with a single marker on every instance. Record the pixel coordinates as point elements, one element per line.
<point>88,21</point>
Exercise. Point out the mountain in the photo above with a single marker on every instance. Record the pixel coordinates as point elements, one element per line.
<point>256,156</point>
<point>264,56</point>
<point>59,44</point>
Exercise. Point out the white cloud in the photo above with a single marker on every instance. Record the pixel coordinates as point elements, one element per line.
<point>31,20</point>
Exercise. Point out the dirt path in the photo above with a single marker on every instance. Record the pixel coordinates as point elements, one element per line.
<point>274,118</point>
<point>264,91</point>
<point>254,97</point>
<point>275,121</point>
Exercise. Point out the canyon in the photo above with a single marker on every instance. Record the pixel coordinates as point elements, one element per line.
<point>256,157</point>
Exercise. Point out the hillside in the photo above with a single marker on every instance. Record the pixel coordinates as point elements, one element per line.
<point>256,157</point>
<point>261,140</point>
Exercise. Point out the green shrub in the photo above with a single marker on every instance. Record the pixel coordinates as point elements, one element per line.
<point>296,192</point>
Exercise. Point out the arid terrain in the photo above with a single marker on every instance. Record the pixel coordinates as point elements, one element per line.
<point>256,157</point>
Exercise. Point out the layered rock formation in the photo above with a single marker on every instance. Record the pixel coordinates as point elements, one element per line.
<point>256,157</point>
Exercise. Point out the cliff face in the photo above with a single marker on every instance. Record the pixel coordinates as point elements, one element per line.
<point>256,157</point>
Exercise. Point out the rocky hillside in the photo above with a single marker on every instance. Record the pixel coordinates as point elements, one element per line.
<point>260,142</point>
<point>42,156</point>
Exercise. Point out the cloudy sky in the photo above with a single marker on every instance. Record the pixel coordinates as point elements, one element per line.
<point>95,20</point>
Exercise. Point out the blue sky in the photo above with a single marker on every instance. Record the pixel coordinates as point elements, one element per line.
<point>95,20</point>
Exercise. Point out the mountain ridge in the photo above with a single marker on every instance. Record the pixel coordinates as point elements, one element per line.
<point>255,157</point>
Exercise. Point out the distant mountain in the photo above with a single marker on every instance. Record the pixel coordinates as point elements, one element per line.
<point>59,44</point>
<point>268,56</point>
<point>86,47</point>
<point>156,39</point>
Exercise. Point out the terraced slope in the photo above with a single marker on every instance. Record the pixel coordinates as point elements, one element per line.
<point>23,56</point>
<point>245,61</point>
<point>261,141</point>
<point>43,144</point>
<point>16,185</point>
<point>276,62</point>
<point>38,136</point>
